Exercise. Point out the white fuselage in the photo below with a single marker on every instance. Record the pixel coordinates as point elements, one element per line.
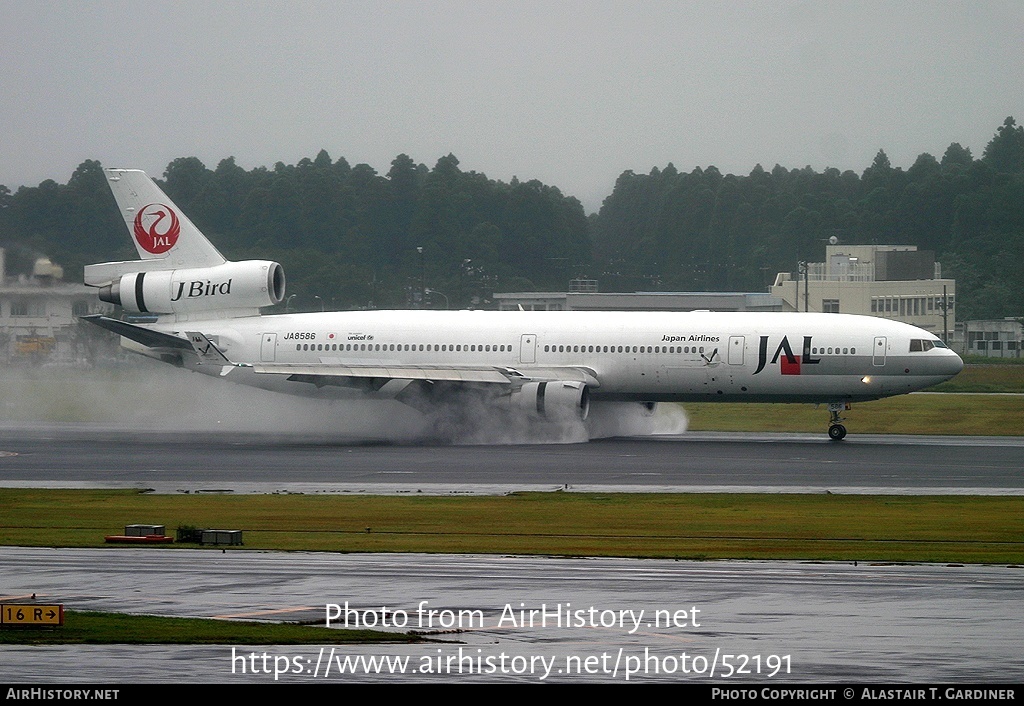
<point>642,356</point>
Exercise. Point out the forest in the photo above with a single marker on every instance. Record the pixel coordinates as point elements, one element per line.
<point>349,237</point>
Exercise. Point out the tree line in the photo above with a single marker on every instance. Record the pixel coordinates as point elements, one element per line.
<point>351,237</point>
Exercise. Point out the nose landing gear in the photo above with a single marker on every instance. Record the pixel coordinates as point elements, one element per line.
<point>836,430</point>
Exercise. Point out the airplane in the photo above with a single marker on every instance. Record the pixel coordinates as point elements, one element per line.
<point>546,364</point>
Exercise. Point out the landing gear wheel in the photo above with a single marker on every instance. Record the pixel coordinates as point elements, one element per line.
<point>836,430</point>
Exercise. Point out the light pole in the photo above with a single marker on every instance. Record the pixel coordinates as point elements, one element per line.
<point>423,277</point>
<point>288,303</point>
<point>447,304</point>
<point>317,296</point>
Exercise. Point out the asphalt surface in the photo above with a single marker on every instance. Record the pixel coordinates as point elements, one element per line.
<point>76,455</point>
<point>803,622</point>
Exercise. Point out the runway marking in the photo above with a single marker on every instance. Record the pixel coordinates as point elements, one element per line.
<point>258,613</point>
<point>7,453</point>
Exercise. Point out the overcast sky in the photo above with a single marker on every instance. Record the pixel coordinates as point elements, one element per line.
<point>570,93</point>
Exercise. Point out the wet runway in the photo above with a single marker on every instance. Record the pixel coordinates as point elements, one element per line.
<point>808,622</point>
<point>92,455</point>
<point>728,622</point>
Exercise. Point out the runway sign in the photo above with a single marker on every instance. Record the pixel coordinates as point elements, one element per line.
<point>31,614</point>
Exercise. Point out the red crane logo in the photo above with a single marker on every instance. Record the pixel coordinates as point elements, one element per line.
<point>157,228</point>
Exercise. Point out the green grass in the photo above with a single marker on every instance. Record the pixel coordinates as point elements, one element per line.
<point>726,526</point>
<point>81,627</point>
<point>985,360</point>
<point>1006,377</point>
<point>964,414</point>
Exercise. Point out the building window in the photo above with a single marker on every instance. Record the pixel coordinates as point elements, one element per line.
<point>830,306</point>
<point>28,307</point>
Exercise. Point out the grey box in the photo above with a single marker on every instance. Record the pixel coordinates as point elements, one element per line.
<point>216,536</point>
<point>144,530</point>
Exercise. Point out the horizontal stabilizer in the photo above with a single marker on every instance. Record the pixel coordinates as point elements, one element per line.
<point>139,334</point>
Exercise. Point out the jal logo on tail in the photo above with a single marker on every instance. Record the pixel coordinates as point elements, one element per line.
<point>157,228</point>
<point>790,364</point>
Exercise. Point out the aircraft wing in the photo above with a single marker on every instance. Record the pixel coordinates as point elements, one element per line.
<point>332,374</point>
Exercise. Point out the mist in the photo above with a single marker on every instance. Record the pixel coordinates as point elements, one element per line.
<point>147,397</point>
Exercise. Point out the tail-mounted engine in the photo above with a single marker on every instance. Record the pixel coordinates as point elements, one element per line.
<point>234,285</point>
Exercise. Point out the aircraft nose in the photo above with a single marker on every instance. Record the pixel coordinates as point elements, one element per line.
<point>954,364</point>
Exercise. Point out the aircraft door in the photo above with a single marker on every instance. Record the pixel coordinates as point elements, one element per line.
<point>528,348</point>
<point>268,348</point>
<point>735,350</point>
<point>878,354</point>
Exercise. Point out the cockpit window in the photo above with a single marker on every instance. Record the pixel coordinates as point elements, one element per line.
<point>918,345</point>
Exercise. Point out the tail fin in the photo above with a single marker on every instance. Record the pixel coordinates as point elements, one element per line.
<point>158,228</point>
<point>180,273</point>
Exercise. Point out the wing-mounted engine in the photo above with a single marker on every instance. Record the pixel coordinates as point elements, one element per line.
<point>559,399</point>
<point>245,285</point>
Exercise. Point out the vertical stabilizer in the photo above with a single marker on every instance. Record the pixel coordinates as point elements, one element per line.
<point>160,231</point>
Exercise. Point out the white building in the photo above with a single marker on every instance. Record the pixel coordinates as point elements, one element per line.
<point>39,315</point>
<point>637,301</point>
<point>993,339</point>
<point>891,281</point>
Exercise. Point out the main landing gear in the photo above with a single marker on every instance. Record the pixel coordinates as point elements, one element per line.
<point>836,430</point>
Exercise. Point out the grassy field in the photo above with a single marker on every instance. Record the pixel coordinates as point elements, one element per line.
<point>987,377</point>
<point>975,411</point>
<point>81,627</point>
<point>697,526</point>
<point>960,414</point>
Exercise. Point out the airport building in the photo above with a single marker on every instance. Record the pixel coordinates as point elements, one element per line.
<point>1000,338</point>
<point>583,296</point>
<point>891,281</point>
<point>39,315</point>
